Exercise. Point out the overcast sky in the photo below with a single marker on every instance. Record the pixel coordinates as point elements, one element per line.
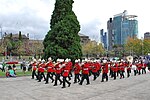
<point>33,16</point>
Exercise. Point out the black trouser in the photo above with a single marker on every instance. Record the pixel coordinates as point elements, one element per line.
<point>121,74</point>
<point>34,74</point>
<point>128,73</point>
<point>118,72</point>
<point>41,75</point>
<point>95,75</point>
<point>49,75</point>
<point>76,78</point>
<point>104,75</point>
<point>69,77</point>
<point>110,73</point>
<point>143,71</point>
<point>98,72</point>
<point>70,73</point>
<point>135,71</point>
<point>139,72</point>
<point>85,76</point>
<point>65,81</point>
<point>57,77</point>
<point>114,75</point>
<point>38,75</point>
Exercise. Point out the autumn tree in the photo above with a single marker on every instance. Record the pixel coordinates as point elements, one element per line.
<point>62,40</point>
<point>137,46</point>
<point>92,49</point>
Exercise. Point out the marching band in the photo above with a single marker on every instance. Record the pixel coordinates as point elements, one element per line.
<point>62,70</point>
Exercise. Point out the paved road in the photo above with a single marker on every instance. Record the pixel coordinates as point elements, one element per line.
<point>24,88</point>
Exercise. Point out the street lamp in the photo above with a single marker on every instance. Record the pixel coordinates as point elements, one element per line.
<point>142,46</point>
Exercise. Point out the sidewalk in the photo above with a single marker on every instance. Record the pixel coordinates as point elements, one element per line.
<point>25,88</point>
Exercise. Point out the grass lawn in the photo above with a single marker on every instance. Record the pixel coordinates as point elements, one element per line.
<point>18,72</point>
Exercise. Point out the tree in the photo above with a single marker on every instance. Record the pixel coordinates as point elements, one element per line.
<point>62,40</point>
<point>137,46</point>
<point>92,48</point>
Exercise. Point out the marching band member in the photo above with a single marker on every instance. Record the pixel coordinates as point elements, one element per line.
<point>144,65</point>
<point>111,72</point>
<point>69,65</point>
<point>85,73</point>
<point>65,74</point>
<point>58,71</point>
<point>122,69</point>
<point>38,68</point>
<point>34,67</point>
<point>115,70</point>
<point>104,70</point>
<point>134,68</point>
<point>41,70</point>
<point>95,67</point>
<point>77,69</point>
<point>50,70</point>
<point>139,67</point>
<point>128,65</point>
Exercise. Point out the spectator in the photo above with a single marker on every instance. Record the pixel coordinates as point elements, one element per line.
<point>3,67</point>
<point>11,73</point>
<point>14,68</point>
<point>24,68</point>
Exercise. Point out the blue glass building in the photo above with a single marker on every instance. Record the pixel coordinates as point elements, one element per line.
<point>103,38</point>
<point>120,28</point>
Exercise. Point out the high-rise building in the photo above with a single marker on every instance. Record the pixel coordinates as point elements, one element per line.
<point>120,28</point>
<point>110,34</point>
<point>103,36</point>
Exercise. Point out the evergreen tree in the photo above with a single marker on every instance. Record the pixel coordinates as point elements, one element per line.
<point>62,40</point>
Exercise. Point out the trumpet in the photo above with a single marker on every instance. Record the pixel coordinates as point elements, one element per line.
<point>129,58</point>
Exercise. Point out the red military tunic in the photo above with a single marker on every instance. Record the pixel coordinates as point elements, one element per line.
<point>42,67</point>
<point>115,68</point>
<point>94,67</point>
<point>144,65</point>
<point>139,66</point>
<point>122,67</point>
<point>105,68</point>
<point>34,66</point>
<point>50,67</point>
<point>58,70</point>
<point>129,67</point>
<point>85,68</point>
<point>66,70</point>
<point>77,68</point>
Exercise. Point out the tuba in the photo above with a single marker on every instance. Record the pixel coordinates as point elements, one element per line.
<point>129,58</point>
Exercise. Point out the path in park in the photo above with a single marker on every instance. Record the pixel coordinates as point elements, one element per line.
<point>24,88</point>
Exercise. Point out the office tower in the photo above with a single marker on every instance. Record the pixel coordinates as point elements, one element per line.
<point>120,28</point>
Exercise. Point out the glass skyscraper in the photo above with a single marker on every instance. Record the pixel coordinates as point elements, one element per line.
<point>120,28</point>
<point>103,38</point>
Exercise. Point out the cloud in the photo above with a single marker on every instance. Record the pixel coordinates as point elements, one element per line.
<point>33,16</point>
<point>91,29</point>
<point>22,16</point>
<point>26,21</point>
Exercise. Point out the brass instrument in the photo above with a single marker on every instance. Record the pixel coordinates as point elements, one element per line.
<point>129,58</point>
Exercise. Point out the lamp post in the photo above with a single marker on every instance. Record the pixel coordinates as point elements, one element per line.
<point>142,46</point>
